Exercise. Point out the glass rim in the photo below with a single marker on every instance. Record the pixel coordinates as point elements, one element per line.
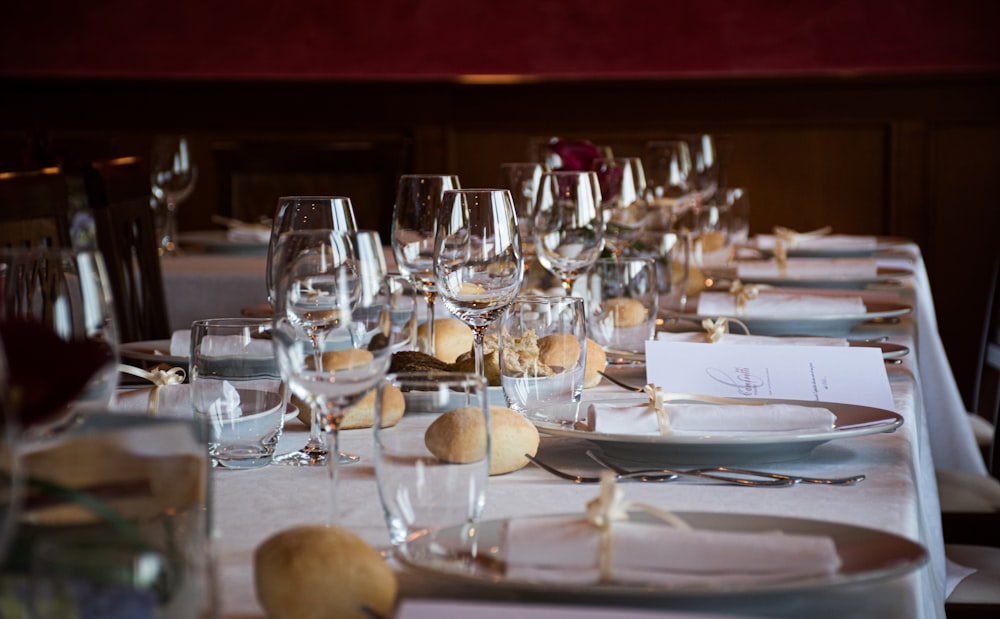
<point>441,377</point>
<point>313,198</point>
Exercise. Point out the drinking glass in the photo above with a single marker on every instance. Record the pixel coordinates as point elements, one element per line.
<point>623,182</point>
<point>478,266</point>
<point>737,201</point>
<point>522,180</point>
<point>236,388</point>
<point>421,493</point>
<point>305,213</point>
<point>332,336</point>
<point>172,179</point>
<point>66,291</point>
<point>622,297</point>
<point>414,224</point>
<point>569,225</point>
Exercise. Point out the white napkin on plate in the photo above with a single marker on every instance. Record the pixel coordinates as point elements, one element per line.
<point>565,550</point>
<point>771,304</point>
<point>701,418</point>
<point>174,401</point>
<point>249,233</point>
<point>829,241</point>
<point>220,346</point>
<point>809,268</point>
<point>739,339</point>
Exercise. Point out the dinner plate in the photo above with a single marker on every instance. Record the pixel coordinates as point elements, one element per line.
<point>725,275</point>
<point>218,242</point>
<point>833,325</point>
<point>867,555</point>
<point>718,449</point>
<point>882,243</point>
<point>151,351</point>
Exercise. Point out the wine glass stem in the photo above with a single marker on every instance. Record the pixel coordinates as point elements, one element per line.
<point>317,439</point>
<point>568,283</point>
<point>478,335</point>
<point>429,295</point>
<point>333,455</point>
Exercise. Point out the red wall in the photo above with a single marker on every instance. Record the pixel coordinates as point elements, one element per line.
<point>389,39</point>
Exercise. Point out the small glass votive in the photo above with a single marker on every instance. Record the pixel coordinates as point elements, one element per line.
<point>543,351</point>
<point>432,481</point>
<point>622,297</point>
<point>237,390</point>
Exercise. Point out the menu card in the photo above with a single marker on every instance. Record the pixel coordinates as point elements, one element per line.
<point>813,373</point>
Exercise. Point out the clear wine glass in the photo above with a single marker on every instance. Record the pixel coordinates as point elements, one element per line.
<point>623,183</point>
<point>333,292</point>
<point>172,179</point>
<point>569,224</point>
<point>305,213</point>
<point>522,180</point>
<point>414,223</point>
<point>478,265</point>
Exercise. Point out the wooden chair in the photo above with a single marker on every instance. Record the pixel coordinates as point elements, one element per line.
<point>970,504</point>
<point>118,191</point>
<point>34,209</point>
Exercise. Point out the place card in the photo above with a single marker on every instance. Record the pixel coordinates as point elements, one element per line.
<point>812,373</point>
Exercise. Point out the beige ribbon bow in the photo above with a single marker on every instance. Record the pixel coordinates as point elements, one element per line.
<point>786,238</point>
<point>715,329</point>
<point>609,506</point>
<point>741,294</point>
<point>159,378</point>
<point>657,400</point>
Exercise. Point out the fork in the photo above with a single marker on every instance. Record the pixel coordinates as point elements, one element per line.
<point>660,475</point>
<point>724,470</point>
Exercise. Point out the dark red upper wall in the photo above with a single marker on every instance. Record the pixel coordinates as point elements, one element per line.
<point>391,39</point>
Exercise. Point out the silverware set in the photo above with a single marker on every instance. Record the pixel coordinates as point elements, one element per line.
<point>721,474</point>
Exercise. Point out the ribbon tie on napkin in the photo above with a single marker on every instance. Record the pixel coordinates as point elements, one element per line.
<point>658,401</point>
<point>742,294</point>
<point>792,238</point>
<point>716,329</point>
<point>160,378</point>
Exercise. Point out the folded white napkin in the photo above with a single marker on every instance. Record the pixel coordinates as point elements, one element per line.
<point>566,550</point>
<point>739,339</point>
<point>220,346</point>
<point>779,305</point>
<point>809,268</point>
<point>249,234</point>
<point>174,401</point>
<point>701,418</point>
<point>829,241</point>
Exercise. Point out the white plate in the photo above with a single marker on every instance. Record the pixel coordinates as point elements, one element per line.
<point>833,325</point>
<point>882,275</point>
<point>719,449</point>
<point>867,555</point>
<point>217,242</point>
<point>155,351</point>
<point>882,244</point>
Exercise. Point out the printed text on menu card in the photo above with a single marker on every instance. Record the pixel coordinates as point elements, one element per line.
<point>814,373</point>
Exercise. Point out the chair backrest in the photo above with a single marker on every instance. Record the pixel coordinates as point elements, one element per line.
<point>34,209</point>
<point>118,191</point>
<point>986,393</point>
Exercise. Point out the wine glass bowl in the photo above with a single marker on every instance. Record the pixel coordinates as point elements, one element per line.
<point>569,224</point>
<point>172,179</point>
<point>478,265</point>
<point>623,182</point>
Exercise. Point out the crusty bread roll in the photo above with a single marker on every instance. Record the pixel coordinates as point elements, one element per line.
<point>559,351</point>
<point>317,572</point>
<point>457,436</point>
<point>625,312</point>
<point>452,337</point>
<point>342,359</point>
<point>597,360</point>
<point>362,414</point>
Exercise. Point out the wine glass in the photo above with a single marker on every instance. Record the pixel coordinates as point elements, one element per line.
<point>478,266</point>
<point>569,224</point>
<point>305,213</point>
<point>522,180</point>
<point>332,336</point>
<point>623,183</point>
<point>704,165</point>
<point>172,179</point>
<point>414,223</point>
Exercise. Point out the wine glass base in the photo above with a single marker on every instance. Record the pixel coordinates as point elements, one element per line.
<point>313,457</point>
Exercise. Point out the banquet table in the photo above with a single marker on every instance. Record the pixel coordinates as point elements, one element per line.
<point>898,496</point>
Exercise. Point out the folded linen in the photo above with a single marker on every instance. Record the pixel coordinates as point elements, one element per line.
<point>566,550</point>
<point>828,241</point>
<point>779,305</point>
<point>220,345</point>
<point>739,339</point>
<point>808,268</point>
<point>701,418</point>
<point>172,401</point>
<point>249,233</point>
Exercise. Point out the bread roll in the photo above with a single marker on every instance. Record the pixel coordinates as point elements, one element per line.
<point>559,351</point>
<point>625,312</point>
<point>362,414</point>
<point>597,360</point>
<point>452,337</point>
<point>316,572</point>
<point>457,436</point>
<point>342,359</point>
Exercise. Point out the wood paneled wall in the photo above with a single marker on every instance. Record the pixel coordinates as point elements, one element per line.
<point>914,155</point>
